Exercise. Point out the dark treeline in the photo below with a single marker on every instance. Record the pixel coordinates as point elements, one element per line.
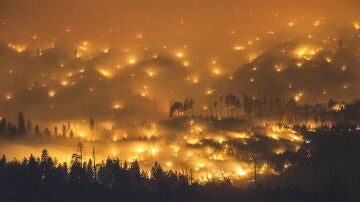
<point>276,109</point>
<point>44,179</point>
<point>26,127</point>
<point>329,163</point>
<point>22,127</point>
<point>325,169</point>
<point>225,108</point>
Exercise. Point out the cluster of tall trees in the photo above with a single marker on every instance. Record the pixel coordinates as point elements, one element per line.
<point>232,104</point>
<point>21,128</point>
<point>181,109</point>
<point>275,109</point>
<point>25,127</point>
<point>330,162</point>
<point>325,170</point>
<point>45,179</point>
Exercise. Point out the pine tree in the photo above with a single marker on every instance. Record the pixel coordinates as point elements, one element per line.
<point>21,124</point>
<point>37,130</point>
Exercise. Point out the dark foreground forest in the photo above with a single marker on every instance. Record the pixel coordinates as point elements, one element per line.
<point>328,169</point>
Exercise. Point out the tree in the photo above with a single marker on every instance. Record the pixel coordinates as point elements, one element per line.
<point>94,165</point>
<point>21,124</point>
<point>233,105</point>
<point>77,173</point>
<point>80,147</point>
<point>135,169</point>
<point>3,126</point>
<point>33,167</point>
<point>92,124</point>
<point>63,130</point>
<point>90,170</point>
<point>68,126</point>
<point>125,166</point>
<point>47,132</point>
<point>56,131</point>
<point>216,110</point>
<point>157,172</point>
<point>46,164</point>
<point>248,106</point>
<point>2,162</point>
<point>37,130</point>
<point>176,107</point>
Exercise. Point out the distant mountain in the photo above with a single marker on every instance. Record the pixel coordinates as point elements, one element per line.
<point>111,85</point>
<point>312,73</point>
<point>58,86</point>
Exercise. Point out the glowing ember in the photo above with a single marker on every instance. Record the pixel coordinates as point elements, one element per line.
<point>51,93</point>
<point>306,52</point>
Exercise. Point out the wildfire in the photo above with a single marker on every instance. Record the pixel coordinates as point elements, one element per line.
<point>306,52</point>
<point>338,107</point>
<point>8,96</point>
<point>179,54</point>
<point>117,106</point>
<point>216,71</point>
<point>356,26</point>
<point>51,93</point>
<point>17,47</point>
<point>209,91</point>
<point>238,47</point>
<point>105,73</point>
<point>150,73</point>
<point>241,172</point>
<point>64,83</point>
<point>131,60</point>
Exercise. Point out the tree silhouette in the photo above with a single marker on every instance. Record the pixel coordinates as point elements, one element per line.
<point>3,126</point>
<point>176,107</point>
<point>37,130</point>
<point>21,124</point>
<point>56,133</point>
<point>47,132</point>
<point>233,105</point>
<point>157,172</point>
<point>63,130</point>
<point>92,124</point>
<point>80,149</point>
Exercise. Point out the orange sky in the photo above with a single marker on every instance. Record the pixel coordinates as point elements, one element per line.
<point>163,21</point>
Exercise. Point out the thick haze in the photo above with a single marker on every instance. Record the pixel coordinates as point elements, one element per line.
<point>199,24</point>
<point>130,59</point>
